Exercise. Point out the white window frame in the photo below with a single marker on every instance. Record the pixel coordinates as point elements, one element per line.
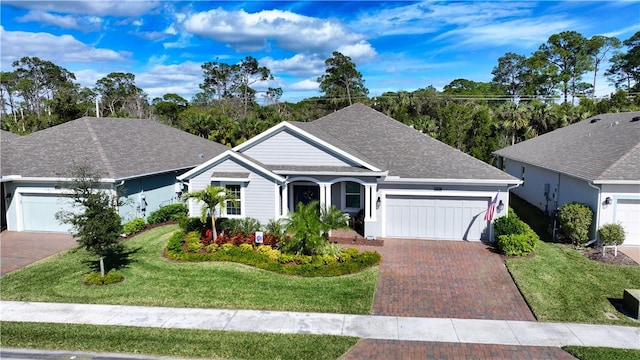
<point>240,201</point>
<point>344,197</point>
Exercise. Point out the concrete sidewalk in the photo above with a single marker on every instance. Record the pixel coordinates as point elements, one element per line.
<point>363,326</point>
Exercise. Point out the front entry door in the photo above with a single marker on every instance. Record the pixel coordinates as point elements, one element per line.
<point>305,194</point>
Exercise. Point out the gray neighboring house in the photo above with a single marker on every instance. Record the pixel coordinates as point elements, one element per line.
<point>138,158</point>
<point>400,182</point>
<point>595,161</point>
<point>5,136</point>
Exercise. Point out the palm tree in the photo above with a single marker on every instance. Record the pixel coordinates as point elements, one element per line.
<point>309,228</point>
<point>211,196</point>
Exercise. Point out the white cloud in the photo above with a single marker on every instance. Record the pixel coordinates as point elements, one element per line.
<point>253,31</point>
<point>66,22</point>
<point>89,7</point>
<point>304,85</point>
<point>298,65</point>
<point>63,48</point>
<point>182,79</point>
<point>88,77</point>
<point>360,52</point>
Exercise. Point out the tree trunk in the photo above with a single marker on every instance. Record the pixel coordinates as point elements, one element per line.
<point>213,226</point>
<point>101,265</point>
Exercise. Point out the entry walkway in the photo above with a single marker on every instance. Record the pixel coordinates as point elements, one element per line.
<point>470,331</point>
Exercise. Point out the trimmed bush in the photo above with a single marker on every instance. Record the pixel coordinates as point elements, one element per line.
<point>575,219</point>
<point>517,244</point>
<point>611,234</point>
<point>95,278</point>
<point>133,226</point>
<point>515,237</point>
<point>173,212</point>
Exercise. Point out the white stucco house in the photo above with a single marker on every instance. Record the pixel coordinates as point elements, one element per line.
<point>402,182</point>
<point>139,159</point>
<point>595,161</point>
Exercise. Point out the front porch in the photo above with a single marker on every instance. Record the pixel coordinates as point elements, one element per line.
<point>354,196</point>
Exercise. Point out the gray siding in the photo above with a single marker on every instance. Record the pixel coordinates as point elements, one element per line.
<point>158,190</point>
<point>259,193</point>
<point>287,148</point>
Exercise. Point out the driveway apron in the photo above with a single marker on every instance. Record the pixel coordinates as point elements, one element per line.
<point>446,279</point>
<point>19,249</point>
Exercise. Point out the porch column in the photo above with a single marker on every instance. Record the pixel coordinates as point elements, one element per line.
<point>370,191</point>
<point>325,195</point>
<point>284,205</point>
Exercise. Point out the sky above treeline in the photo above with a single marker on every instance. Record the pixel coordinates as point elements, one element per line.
<point>396,45</point>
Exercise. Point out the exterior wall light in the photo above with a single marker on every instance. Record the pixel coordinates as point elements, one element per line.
<point>608,201</point>
<point>500,206</point>
<point>378,203</point>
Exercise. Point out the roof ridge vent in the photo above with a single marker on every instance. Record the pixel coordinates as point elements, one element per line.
<point>635,119</point>
<point>594,120</point>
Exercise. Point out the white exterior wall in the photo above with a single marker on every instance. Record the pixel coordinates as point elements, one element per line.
<point>286,148</point>
<point>260,193</point>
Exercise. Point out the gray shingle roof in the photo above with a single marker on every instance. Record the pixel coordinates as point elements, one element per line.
<point>6,135</point>
<point>607,149</point>
<point>117,148</point>
<point>393,146</point>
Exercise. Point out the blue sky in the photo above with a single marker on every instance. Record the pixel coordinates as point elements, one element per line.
<point>396,45</point>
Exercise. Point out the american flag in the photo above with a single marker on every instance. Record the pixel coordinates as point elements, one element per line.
<point>488,216</point>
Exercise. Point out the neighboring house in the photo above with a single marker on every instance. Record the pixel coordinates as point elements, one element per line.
<point>595,161</point>
<point>5,136</point>
<point>139,159</point>
<point>402,182</point>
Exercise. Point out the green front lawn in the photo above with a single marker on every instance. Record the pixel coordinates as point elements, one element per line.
<point>600,353</point>
<point>152,280</point>
<point>560,284</point>
<point>173,342</point>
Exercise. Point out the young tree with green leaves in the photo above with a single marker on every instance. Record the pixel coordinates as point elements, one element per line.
<point>342,81</point>
<point>211,197</point>
<point>96,223</point>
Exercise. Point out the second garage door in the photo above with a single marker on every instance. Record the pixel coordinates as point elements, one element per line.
<point>436,217</point>
<point>628,214</point>
<point>39,212</point>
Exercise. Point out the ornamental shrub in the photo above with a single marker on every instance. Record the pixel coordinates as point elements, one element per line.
<point>95,278</point>
<point>507,225</point>
<point>173,212</point>
<point>611,234</point>
<point>575,219</point>
<point>174,245</point>
<point>517,244</point>
<point>133,226</point>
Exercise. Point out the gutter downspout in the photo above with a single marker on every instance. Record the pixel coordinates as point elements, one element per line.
<point>591,184</point>
<point>509,188</point>
<point>115,190</point>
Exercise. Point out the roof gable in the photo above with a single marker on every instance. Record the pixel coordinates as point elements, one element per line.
<point>239,158</point>
<point>117,148</point>
<point>601,148</point>
<point>293,139</point>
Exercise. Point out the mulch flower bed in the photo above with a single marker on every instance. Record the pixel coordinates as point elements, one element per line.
<point>595,253</point>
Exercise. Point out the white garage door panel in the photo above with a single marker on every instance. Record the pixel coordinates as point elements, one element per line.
<point>628,214</point>
<point>436,217</point>
<point>39,212</point>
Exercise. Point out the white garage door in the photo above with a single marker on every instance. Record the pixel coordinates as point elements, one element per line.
<point>628,214</point>
<point>436,217</point>
<point>39,212</point>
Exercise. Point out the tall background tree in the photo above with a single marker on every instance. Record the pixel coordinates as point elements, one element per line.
<point>342,82</point>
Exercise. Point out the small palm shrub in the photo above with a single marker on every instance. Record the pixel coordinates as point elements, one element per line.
<point>308,229</point>
<point>611,234</point>
<point>575,219</point>
<point>189,224</point>
<point>173,212</point>
<point>133,226</point>
<point>245,225</point>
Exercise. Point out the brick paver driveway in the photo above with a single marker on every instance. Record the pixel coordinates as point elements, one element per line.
<point>446,279</point>
<point>19,249</point>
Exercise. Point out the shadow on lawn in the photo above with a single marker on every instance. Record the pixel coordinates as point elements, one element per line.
<point>116,259</point>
